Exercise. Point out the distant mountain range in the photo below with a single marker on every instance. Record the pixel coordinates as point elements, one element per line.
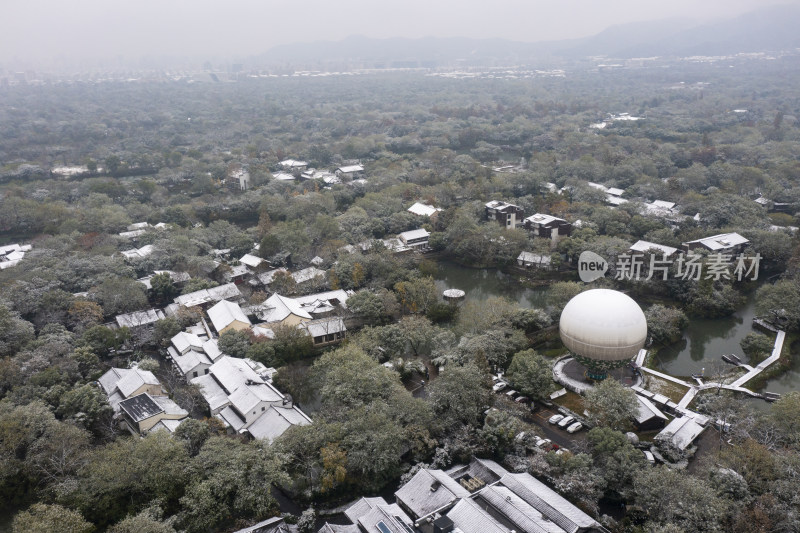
<point>771,28</point>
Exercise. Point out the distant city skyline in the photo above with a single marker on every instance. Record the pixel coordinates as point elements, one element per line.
<point>48,33</point>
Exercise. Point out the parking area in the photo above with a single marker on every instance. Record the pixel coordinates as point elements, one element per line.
<point>538,417</point>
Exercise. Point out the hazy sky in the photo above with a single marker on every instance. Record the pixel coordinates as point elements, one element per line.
<point>71,31</point>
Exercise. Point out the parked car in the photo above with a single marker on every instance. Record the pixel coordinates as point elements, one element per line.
<point>511,394</point>
<point>649,456</point>
<point>500,385</point>
<point>567,420</point>
<point>574,428</point>
<point>522,399</point>
<point>555,419</point>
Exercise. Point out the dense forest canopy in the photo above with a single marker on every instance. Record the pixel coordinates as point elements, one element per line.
<point>711,137</point>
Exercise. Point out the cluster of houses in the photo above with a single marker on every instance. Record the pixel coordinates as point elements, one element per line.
<point>481,497</point>
<point>292,169</point>
<point>139,402</point>
<point>729,244</point>
<point>12,254</point>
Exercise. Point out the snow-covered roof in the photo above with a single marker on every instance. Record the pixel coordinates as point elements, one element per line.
<point>307,274</point>
<point>541,218</point>
<point>224,313</point>
<point>681,432</point>
<point>293,163</point>
<point>138,253</point>
<point>428,491</point>
<point>283,176</point>
<point>229,291</point>
<point>548,502</point>
<point>132,234</point>
<point>414,234</point>
<point>722,241</point>
<point>647,410</point>
<point>423,209</point>
<point>279,307</point>
<point>211,348</point>
<point>212,391</point>
<point>325,326</point>
<point>645,246</point>
<point>251,260</point>
<point>267,277</point>
<point>615,200</point>
<point>275,421</point>
<point>614,191</point>
<point>468,516</point>
<point>126,380</point>
<point>184,341</point>
<point>139,318</point>
<point>499,204</point>
<point>530,257</point>
<point>232,373</point>
<point>350,169</point>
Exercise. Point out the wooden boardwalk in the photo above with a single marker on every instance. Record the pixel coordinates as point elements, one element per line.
<point>776,354</point>
<point>736,386</point>
<point>666,376</point>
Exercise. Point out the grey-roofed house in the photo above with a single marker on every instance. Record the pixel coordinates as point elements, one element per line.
<point>514,512</point>
<point>122,383</point>
<point>246,403</point>
<point>416,239</point>
<point>550,504</point>
<point>505,214</point>
<point>350,171</point>
<point>143,411</point>
<point>548,226</point>
<point>429,491</point>
<point>325,331</point>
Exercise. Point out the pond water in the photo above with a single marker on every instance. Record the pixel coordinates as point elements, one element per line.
<point>706,340</point>
<point>483,283</point>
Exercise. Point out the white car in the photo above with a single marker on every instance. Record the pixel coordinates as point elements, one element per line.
<point>567,420</point>
<point>555,419</point>
<point>500,385</point>
<point>542,443</point>
<point>512,394</point>
<point>577,426</point>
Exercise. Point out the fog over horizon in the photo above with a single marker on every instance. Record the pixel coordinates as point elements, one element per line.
<point>49,33</point>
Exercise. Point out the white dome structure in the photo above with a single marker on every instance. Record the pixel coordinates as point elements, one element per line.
<point>603,328</point>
